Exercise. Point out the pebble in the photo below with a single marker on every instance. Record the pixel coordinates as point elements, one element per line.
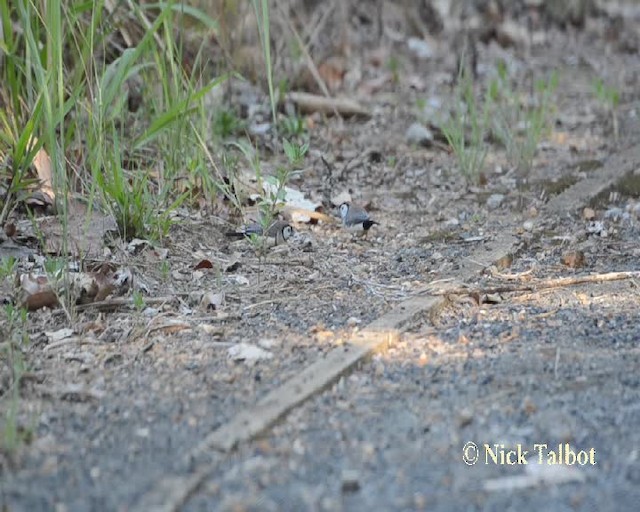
<point>353,321</point>
<point>588,214</point>
<point>613,214</point>
<point>494,201</point>
<point>350,480</point>
<point>528,225</point>
<point>420,48</point>
<point>247,352</point>
<point>418,134</point>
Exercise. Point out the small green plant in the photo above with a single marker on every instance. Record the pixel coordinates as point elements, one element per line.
<point>13,339</point>
<point>394,66</point>
<point>137,210</point>
<point>467,128</point>
<point>609,97</point>
<point>138,301</point>
<point>226,123</point>
<point>520,124</point>
<point>274,199</point>
<point>292,127</point>
<point>165,270</point>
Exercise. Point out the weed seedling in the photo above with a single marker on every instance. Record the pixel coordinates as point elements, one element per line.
<point>520,124</point>
<point>467,127</point>
<point>609,97</point>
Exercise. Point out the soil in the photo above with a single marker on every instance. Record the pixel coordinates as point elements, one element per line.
<point>116,410</point>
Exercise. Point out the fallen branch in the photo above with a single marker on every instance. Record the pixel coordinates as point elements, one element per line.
<point>116,303</point>
<point>545,284</point>
<point>310,103</point>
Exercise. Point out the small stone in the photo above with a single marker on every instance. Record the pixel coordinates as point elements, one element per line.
<point>420,48</point>
<point>350,481</point>
<point>419,134</point>
<point>247,352</point>
<point>142,432</point>
<point>298,447</point>
<point>419,501</point>
<point>268,343</point>
<point>494,201</point>
<point>353,321</point>
<point>596,228</point>
<point>465,417</point>
<point>588,214</point>
<point>527,225</point>
<point>150,312</point>
<point>491,298</point>
<point>613,214</point>
<point>529,406</point>
<point>259,129</point>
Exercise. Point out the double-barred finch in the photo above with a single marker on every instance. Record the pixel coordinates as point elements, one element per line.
<point>277,233</point>
<point>355,218</point>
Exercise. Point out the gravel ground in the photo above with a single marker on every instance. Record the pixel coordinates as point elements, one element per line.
<point>545,368</point>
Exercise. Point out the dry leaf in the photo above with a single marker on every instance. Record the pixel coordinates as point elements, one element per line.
<point>85,232</point>
<point>42,163</point>
<point>203,264</point>
<point>573,259</point>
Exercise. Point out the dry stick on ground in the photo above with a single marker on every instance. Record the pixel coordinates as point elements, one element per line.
<point>310,64</point>
<point>560,282</point>
<point>115,303</point>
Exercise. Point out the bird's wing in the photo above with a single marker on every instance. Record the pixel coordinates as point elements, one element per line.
<point>276,227</point>
<point>357,215</point>
<point>252,229</point>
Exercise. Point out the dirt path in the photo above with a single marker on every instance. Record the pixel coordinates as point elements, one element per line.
<point>372,379</point>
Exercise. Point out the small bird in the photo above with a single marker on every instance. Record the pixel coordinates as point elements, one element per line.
<point>355,218</point>
<point>277,233</point>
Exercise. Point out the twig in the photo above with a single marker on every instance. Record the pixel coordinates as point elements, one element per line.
<point>543,284</point>
<point>68,341</point>
<point>512,277</point>
<point>115,303</point>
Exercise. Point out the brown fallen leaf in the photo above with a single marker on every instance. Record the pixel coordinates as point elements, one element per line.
<point>85,232</point>
<point>36,291</point>
<point>573,259</point>
<point>203,264</point>
<point>504,262</point>
<point>42,163</point>
<point>332,71</point>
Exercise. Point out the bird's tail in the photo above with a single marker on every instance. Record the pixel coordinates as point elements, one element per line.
<point>235,234</point>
